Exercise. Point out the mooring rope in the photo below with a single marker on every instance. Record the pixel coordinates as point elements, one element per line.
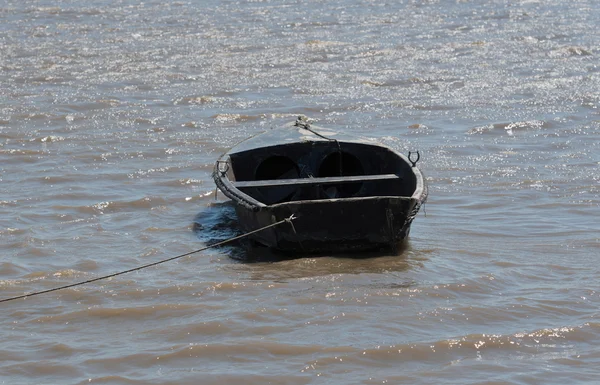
<point>301,122</point>
<point>286,220</point>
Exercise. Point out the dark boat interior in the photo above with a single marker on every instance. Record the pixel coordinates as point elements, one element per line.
<point>316,170</point>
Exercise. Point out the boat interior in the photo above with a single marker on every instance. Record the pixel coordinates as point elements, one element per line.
<point>316,170</point>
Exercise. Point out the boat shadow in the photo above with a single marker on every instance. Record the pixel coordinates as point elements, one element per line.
<point>218,223</point>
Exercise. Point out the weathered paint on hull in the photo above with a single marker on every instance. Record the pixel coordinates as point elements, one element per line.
<point>332,225</point>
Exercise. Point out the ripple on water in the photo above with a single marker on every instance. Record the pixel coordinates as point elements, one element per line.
<point>110,125</point>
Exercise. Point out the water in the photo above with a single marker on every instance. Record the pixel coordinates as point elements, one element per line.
<point>112,114</point>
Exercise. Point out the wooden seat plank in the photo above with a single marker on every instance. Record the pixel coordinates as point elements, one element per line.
<point>313,181</point>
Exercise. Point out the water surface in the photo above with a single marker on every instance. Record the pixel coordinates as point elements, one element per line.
<point>112,114</point>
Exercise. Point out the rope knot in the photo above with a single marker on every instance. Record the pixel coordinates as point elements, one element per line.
<point>289,220</point>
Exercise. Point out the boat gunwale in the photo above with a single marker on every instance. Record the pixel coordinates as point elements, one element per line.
<point>335,200</point>
<point>229,189</point>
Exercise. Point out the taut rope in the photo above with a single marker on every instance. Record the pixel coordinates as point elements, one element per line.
<point>286,220</point>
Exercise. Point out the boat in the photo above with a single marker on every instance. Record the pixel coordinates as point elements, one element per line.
<point>346,193</point>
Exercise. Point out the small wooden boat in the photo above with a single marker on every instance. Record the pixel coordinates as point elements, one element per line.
<point>346,193</point>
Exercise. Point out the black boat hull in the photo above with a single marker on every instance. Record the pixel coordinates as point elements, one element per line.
<point>347,193</point>
<point>342,225</point>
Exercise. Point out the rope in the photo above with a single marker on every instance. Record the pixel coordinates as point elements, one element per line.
<point>306,125</point>
<point>286,220</point>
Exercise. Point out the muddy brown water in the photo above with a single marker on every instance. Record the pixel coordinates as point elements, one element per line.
<point>112,114</point>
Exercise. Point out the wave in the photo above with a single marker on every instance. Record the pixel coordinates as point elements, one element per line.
<point>511,128</point>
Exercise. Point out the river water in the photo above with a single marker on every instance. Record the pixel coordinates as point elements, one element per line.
<point>112,114</point>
